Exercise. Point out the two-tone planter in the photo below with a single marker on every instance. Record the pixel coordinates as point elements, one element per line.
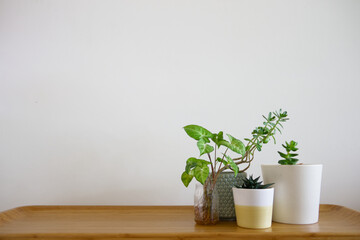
<point>253,207</point>
<point>296,192</point>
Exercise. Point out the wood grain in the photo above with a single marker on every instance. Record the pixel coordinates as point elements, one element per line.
<point>160,222</point>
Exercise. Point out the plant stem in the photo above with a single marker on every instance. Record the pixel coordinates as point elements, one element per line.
<point>215,158</point>
<point>218,171</point>
<point>252,148</point>
<point>212,166</point>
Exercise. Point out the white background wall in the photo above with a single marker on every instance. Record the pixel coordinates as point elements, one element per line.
<point>94,94</point>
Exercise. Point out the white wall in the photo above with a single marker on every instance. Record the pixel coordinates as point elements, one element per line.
<point>94,94</point>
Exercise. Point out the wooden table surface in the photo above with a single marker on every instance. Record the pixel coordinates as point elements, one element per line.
<point>160,222</point>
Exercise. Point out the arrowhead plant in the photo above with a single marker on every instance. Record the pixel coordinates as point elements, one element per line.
<point>210,144</point>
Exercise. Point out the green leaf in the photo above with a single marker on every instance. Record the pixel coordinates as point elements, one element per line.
<point>197,132</point>
<point>224,143</point>
<point>201,173</point>
<point>293,143</point>
<point>289,157</point>
<point>199,162</point>
<point>186,178</point>
<point>283,162</point>
<point>236,145</point>
<point>283,154</point>
<point>258,147</point>
<point>194,162</point>
<point>217,138</point>
<point>203,147</point>
<point>293,154</point>
<point>250,183</point>
<point>206,140</point>
<point>294,160</point>
<point>279,130</point>
<point>233,165</point>
<point>220,135</point>
<point>265,185</point>
<point>222,160</point>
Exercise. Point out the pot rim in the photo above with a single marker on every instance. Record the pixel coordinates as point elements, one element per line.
<point>253,190</point>
<point>296,165</point>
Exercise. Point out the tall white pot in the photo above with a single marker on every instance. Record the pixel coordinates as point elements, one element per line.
<point>296,192</point>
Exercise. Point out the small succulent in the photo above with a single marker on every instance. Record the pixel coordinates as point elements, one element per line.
<point>250,183</point>
<point>288,158</point>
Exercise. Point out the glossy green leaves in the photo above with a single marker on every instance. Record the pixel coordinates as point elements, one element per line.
<point>201,173</point>
<point>202,135</point>
<point>236,145</point>
<point>232,164</point>
<point>197,168</point>
<point>186,178</point>
<point>218,138</point>
<point>210,144</point>
<point>288,158</point>
<point>203,147</point>
<point>197,132</point>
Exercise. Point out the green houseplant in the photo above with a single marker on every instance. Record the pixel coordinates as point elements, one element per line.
<point>253,203</point>
<point>288,157</point>
<point>297,187</point>
<point>206,172</point>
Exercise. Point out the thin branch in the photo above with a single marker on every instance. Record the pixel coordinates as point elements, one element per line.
<point>215,162</point>
<point>212,167</point>
<point>221,169</point>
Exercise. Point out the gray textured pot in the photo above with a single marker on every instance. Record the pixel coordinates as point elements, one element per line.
<point>224,184</point>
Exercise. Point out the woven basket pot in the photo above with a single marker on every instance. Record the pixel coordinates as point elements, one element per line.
<point>224,185</point>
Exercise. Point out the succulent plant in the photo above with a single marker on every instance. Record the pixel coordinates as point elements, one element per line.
<point>250,183</point>
<point>288,158</point>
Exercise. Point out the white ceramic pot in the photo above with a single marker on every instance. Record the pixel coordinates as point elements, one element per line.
<point>297,192</point>
<point>253,207</point>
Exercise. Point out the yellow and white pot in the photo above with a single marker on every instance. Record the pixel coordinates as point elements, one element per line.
<point>253,207</point>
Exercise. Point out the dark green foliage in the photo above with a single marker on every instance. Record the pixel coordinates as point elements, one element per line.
<point>288,158</point>
<point>250,183</point>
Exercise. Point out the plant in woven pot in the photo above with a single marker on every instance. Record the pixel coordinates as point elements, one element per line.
<point>218,159</point>
<point>224,184</point>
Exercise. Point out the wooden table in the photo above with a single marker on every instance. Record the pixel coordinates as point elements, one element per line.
<point>160,222</point>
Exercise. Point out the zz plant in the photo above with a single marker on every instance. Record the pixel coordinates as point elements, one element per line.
<point>210,145</point>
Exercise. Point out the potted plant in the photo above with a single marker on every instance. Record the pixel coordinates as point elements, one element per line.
<point>253,203</point>
<point>297,188</point>
<point>206,172</point>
